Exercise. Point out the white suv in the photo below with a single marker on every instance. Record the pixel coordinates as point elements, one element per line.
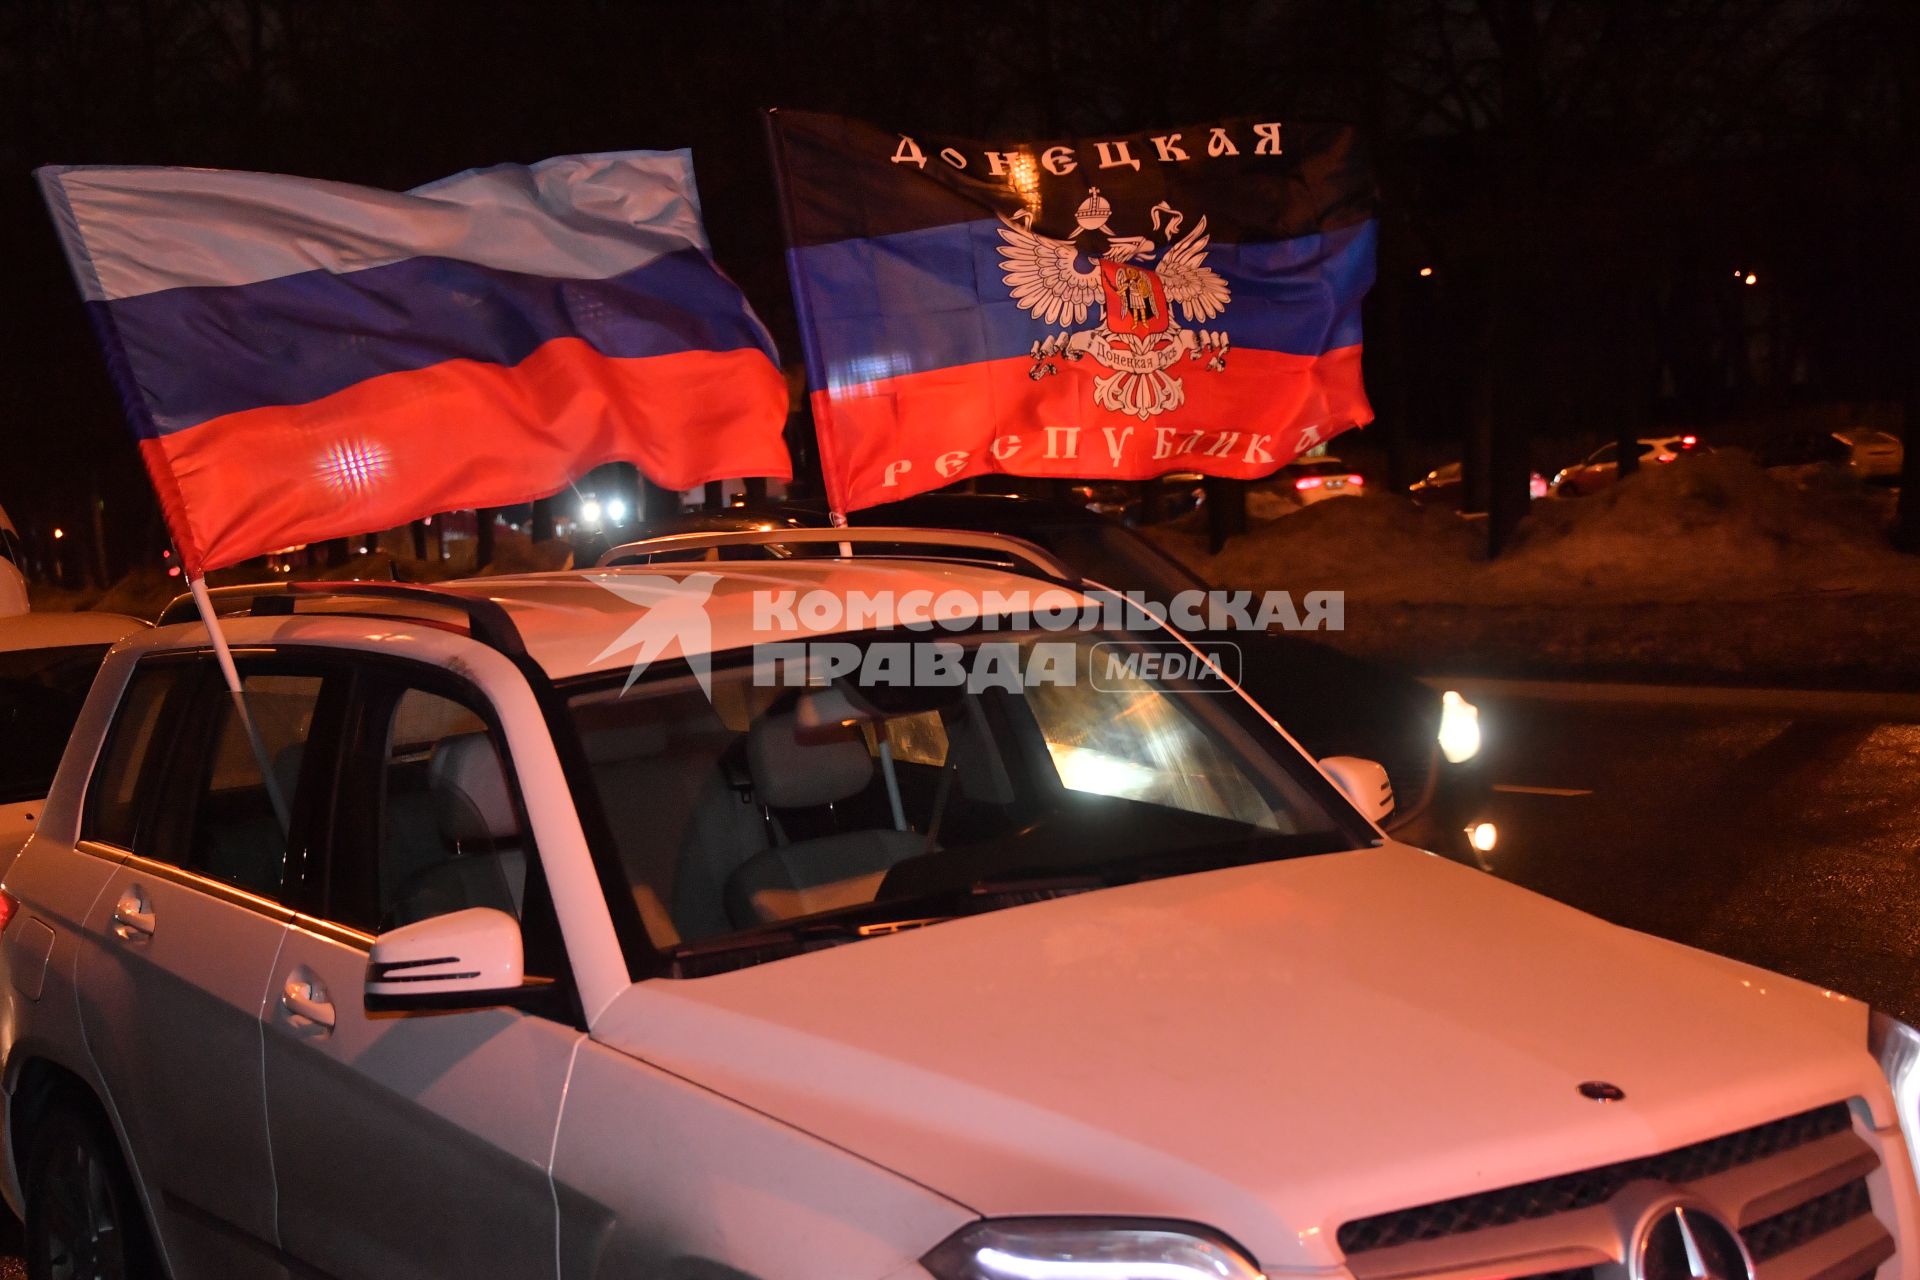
<point>715,976</point>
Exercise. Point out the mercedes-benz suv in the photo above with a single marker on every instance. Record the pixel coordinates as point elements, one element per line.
<point>847,918</point>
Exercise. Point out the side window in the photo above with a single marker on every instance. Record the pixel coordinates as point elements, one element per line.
<point>440,827</point>
<point>1604,454</point>
<point>237,835</point>
<point>135,749</point>
<point>450,834</point>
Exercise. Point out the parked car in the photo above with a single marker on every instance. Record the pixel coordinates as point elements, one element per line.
<point>1445,486</point>
<point>1873,455</point>
<point>1170,497</point>
<point>47,660</point>
<point>1333,703</point>
<point>1310,480</point>
<point>1602,467</point>
<point>546,975</point>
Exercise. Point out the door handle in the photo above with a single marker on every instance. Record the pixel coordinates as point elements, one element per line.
<point>132,916</point>
<point>306,998</point>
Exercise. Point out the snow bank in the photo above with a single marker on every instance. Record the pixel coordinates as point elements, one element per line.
<point>1717,527</point>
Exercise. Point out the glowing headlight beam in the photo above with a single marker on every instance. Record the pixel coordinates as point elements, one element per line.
<point>998,1262</point>
<point>1084,1249</point>
<point>1459,728</point>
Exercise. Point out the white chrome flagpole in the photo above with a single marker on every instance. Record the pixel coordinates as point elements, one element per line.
<point>224,656</point>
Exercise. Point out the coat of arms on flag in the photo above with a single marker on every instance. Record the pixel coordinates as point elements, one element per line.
<point>1137,338</point>
<point>1114,307</point>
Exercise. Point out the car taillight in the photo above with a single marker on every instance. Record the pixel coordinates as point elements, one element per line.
<point>1354,482</point>
<point>1687,442</point>
<point>1308,482</point>
<point>8,905</point>
<point>1668,457</point>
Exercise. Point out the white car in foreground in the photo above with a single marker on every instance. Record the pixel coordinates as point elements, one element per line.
<point>1078,980</point>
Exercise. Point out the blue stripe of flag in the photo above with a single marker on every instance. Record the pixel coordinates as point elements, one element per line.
<point>932,298</point>
<point>201,352</point>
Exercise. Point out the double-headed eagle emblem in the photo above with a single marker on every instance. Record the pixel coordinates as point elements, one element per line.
<point>1138,337</point>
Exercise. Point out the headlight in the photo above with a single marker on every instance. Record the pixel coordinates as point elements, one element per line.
<point>1459,728</point>
<point>1897,1046</point>
<point>1087,1249</point>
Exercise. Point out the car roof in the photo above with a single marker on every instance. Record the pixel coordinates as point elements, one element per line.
<point>579,621</point>
<point>1004,512</point>
<point>58,630</point>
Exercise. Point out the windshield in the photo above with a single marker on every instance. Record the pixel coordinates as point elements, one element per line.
<point>770,818</point>
<point>40,695</point>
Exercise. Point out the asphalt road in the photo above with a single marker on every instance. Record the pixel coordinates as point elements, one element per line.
<point>1784,831</point>
<point>1780,831</point>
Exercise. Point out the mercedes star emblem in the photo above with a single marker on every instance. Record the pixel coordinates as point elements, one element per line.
<point>1687,1243</point>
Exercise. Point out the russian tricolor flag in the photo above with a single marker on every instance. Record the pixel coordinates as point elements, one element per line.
<point>305,359</point>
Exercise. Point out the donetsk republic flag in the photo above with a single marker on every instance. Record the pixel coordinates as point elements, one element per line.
<point>1114,308</point>
<point>302,360</point>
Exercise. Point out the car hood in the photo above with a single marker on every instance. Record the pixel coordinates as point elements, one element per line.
<point>1271,1050</point>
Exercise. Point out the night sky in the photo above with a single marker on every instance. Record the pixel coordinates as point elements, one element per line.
<point>1584,179</point>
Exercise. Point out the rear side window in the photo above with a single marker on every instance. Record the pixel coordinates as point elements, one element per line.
<point>136,750</point>
<point>238,835</point>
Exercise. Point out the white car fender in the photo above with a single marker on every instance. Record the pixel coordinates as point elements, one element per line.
<point>721,1184</point>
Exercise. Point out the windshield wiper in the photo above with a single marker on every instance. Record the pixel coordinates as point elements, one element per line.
<point>871,920</point>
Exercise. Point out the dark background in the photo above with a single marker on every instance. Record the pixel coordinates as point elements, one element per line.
<point>1588,180</point>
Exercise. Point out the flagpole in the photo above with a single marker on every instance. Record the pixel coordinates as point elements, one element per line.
<point>224,656</point>
<point>803,318</point>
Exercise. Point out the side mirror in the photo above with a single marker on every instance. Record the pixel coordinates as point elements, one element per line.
<point>1365,783</point>
<point>463,960</point>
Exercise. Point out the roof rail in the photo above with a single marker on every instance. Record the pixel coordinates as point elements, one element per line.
<point>487,621</point>
<point>1019,549</point>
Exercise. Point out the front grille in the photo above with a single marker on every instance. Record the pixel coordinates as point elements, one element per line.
<point>1783,1232</point>
<point>1796,1190</point>
<point>1571,1191</point>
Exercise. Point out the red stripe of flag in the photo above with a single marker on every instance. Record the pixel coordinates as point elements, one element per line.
<point>463,434</point>
<point>903,435</point>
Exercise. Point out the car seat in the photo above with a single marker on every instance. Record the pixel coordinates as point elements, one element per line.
<point>795,768</point>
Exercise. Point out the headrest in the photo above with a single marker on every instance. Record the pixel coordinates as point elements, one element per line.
<point>797,769</point>
<point>470,796</point>
<point>624,742</point>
